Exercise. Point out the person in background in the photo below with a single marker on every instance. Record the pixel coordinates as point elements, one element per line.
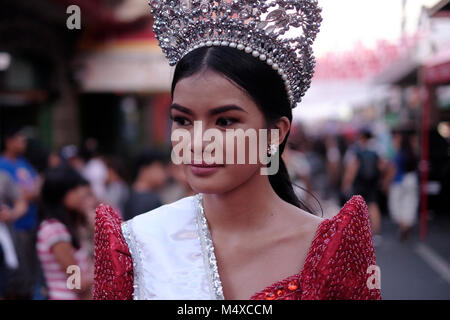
<point>177,187</point>
<point>71,155</point>
<point>12,207</point>
<point>95,170</point>
<point>24,228</point>
<point>117,191</point>
<point>362,177</point>
<point>151,174</point>
<point>53,160</point>
<point>2,273</point>
<point>403,197</point>
<point>63,215</point>
<point>333,163</point>
<point>12,204</point>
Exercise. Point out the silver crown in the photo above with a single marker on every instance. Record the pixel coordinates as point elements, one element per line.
<point>279,32</point>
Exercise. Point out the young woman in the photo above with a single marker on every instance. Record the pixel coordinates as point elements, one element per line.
<point>403,197</point>
<point>66,199</point>
<point>243,235</point>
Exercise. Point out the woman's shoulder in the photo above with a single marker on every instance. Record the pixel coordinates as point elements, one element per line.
<point>355,210</point>
<point>350,224</point>
<point>51,227</point>
<point>50,222</point>
<point>113,246</point>
<point>113,272</point>
<point>350,228</point>
<point>352,215</point>
<point>343,253</point>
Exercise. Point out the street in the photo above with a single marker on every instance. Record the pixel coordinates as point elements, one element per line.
<point>415,269</point>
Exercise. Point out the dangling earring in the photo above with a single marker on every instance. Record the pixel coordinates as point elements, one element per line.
<point>272,149</point>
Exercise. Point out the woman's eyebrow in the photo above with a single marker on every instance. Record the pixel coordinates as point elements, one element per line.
<point>223,109</point>
<point>181,109</point>
<point>212,112</point>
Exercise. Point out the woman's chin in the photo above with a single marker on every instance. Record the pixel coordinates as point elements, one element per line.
<point>217,182</point>
<point>207,185</point>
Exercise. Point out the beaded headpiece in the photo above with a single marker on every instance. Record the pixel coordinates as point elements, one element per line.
<point>279,32</point>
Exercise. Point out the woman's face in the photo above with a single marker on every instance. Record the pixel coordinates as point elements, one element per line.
<point>220,104</point>
<point>79,199</point>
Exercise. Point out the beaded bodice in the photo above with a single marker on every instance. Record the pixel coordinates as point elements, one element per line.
<point>336,266</point>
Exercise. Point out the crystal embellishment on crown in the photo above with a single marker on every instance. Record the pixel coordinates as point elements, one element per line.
<point>279,32</point>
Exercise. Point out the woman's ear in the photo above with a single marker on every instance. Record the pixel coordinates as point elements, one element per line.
<point>283,125</point>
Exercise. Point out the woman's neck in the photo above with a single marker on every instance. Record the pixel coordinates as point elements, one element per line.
<point>251,206</point>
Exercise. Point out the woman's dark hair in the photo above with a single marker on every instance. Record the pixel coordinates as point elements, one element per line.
<point>58,182</point>
<point>263,84</point>
<point>119,167</point>
<point>147,158</point>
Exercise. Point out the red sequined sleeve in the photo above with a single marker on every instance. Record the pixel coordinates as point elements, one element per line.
<point>348,266</point>
<point>113,275</point>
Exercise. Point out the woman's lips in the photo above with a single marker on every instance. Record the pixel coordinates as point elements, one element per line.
<point>204,169</point>
<point>206,165</point>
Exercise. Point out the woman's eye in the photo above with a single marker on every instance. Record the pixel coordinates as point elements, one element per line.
<point>181,121</point>
<point>224,122</point>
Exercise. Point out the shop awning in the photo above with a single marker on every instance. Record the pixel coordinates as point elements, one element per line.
<point>121,69</point>
<point>129,62</point>
<point>436,69</point>
<point>403,72</point>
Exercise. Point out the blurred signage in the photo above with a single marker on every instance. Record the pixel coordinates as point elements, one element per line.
<point>124,70</point>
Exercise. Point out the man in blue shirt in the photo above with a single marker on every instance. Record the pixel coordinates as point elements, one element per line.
<point>24,228</point>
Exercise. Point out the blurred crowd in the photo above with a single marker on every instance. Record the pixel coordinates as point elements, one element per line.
<point>382,167</point>
<point>47,211</point>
